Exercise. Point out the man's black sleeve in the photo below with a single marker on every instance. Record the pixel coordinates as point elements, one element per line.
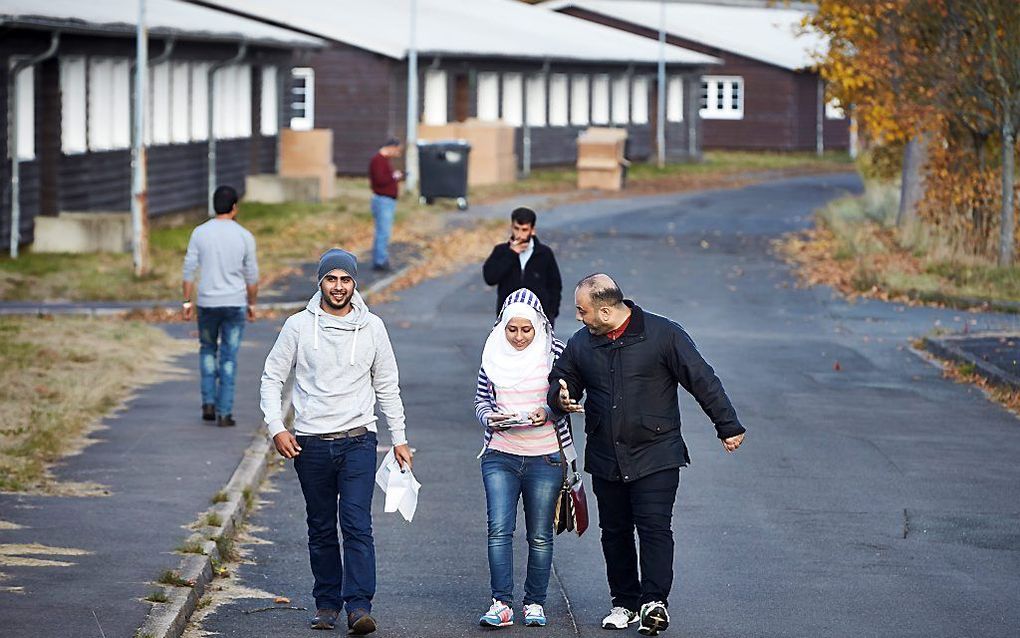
<point>499,264</point>
<point>555,287</point>
<point>564,368</point>
<point>699,379</point>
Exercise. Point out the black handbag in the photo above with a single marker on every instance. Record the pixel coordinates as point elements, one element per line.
<point>571,513</point>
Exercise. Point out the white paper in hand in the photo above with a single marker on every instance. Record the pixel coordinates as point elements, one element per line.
<point>401,488</point>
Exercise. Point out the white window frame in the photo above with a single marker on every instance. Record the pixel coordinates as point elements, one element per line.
<point>675,99</point>
<point>198,129</point>
<point>600,99</point>
<point>73,105</point>
<point>487,96</point>
<point>639,100</point>
<point>159,103</point>
<point>180,103</point>
<point>579,100</point>
<point>717,101</point>
<point>621,100</point>
<point>559,99</point>
<point>306,121</point>
<point>535,100</point>
<point>109,104</point>
<point>269,103</point>
<point>512,99</point>
<point>26,113</point>
<point>434,108</point>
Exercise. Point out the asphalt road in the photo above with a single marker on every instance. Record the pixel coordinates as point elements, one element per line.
<point>876,499</point>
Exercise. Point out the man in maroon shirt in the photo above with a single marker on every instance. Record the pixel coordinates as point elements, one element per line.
<point>385,189</point>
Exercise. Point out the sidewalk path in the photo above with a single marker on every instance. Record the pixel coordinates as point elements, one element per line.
<point>874,500</point>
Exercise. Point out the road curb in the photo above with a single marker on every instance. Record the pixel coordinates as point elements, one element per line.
<point>946,348</point>
<point>168,620</point>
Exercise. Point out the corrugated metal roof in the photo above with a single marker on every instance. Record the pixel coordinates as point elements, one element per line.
<point>162,16</point>
<point>763,33</point>
<point>489,28</point>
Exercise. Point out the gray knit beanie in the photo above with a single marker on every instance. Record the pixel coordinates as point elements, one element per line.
<point>337,258</point>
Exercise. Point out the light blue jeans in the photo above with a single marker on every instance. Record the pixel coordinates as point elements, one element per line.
<point>383,211</point>
<point>508,479</point>
<point>219,333</point>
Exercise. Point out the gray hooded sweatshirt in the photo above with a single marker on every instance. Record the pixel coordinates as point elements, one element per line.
<point>342,365</point>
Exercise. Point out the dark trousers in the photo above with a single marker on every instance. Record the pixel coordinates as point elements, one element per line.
<point>645,504</point>
<point>337,478</point>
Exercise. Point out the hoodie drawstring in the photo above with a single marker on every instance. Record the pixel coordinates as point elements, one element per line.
<point>354,345</point>
<point>318,311</point>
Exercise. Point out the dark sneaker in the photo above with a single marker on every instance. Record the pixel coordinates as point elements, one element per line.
<point>359,623</point>
<point>382,267</point>
<point>226,421</point>
<point>325,619</point>
<point>654,618</point>
<point>208,412</point>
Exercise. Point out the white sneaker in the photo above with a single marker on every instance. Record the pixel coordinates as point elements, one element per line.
<point>619,618</point>
<point>534,615</point>
<point>654,618</point>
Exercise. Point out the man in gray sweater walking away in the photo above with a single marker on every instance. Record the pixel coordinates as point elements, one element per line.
<point>224,253</point>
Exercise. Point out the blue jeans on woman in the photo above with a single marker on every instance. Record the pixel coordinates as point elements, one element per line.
<point>220,329</point>
<point>508,478</point>
<point>337,479</point>
<point>383,211</point>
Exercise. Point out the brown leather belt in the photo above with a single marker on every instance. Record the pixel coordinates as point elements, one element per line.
<point>346,434</point>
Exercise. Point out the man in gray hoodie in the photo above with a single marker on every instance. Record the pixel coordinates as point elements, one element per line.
<point>343,364</point>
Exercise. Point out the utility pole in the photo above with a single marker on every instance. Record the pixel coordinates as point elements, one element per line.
<point>660,114</point>
<point>139,161</point>
<point>411,164</point>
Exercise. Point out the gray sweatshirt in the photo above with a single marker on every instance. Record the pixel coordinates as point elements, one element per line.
<point>225,252</point>
<point>342,366</point>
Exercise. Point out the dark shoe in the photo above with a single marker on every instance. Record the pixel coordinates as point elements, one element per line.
<point>208,412</point>
<point>654,618</point>
<point>359,623</point>
<point>381,267</point>
<point>226,421</point>
<point>325,619</point>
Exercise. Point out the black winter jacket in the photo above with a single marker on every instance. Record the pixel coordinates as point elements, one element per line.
<point>541,276</point>
<point>632,413</point>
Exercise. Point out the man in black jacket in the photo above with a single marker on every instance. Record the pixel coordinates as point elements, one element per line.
<point>524,262</point>
<point>629,362</point>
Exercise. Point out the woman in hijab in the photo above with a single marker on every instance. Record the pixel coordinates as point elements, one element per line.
<point>523,454</point>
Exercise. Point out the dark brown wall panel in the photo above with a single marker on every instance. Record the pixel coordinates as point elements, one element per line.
<point>352,97</point>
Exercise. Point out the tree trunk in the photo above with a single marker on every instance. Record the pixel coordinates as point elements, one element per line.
<point>1007,215</point>
<point>915,160</point>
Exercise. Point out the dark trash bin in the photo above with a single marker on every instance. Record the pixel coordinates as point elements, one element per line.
<point>443,171</point>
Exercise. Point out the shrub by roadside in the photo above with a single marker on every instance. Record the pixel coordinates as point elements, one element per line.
<point>857,249</point>
<point>58,376</point>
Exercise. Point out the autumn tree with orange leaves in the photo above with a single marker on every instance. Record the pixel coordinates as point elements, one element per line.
<point>942,79</point>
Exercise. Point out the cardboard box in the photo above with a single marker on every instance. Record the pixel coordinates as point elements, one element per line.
<point>600,159</point>
<point>305,150</point>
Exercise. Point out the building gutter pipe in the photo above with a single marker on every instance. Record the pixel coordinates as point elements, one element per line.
<point>12,142</point>
<point>242,51</point>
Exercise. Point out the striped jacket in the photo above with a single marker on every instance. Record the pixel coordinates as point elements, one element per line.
<point>485,392</point>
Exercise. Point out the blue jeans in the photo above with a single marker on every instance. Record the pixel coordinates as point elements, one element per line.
<point>337,479</point>
<point>219,331</point>
<point>508,478</point>
<point>383,210</point>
